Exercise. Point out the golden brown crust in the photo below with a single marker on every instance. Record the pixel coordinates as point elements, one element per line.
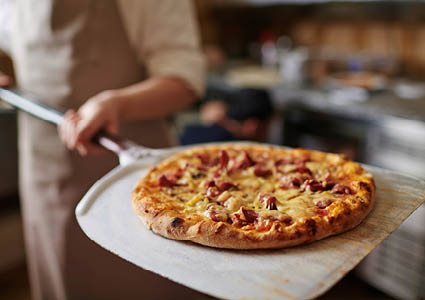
<point>166,214</point>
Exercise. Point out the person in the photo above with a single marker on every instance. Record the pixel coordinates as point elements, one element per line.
<point>229,114</point>
<point>91,56</point>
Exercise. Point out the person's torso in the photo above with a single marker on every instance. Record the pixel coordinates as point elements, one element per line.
<point>64,53</point>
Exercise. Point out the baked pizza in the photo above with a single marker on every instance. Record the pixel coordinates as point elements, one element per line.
<point>251,196</point>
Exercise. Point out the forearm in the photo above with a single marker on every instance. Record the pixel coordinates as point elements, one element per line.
<point>153,98</point>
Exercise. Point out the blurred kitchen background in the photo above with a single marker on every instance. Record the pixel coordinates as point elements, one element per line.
<point>338,76</point>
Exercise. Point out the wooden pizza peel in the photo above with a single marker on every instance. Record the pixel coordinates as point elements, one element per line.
<point>105,214</point>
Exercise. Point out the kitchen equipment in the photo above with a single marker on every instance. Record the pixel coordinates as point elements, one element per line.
<point>397,265</point>
<point>106,216</point>
<point>393,140</point>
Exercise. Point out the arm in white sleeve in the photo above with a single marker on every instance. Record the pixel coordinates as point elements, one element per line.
<point>6,14</point>
<point>164,34</point>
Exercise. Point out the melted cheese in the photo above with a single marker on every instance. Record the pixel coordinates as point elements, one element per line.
<point>233,203</point>
<point>299,206</point>
<point>294,202</point>
<point>224,196</point>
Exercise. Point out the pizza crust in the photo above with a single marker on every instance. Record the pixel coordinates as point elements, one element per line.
<point>172,223</point>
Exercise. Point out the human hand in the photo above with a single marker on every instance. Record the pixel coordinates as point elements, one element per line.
<point>213,112</point>
<point>98,113</point>
<point>5,80</point>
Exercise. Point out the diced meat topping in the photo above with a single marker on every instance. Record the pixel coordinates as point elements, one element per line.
<point>302,170</point>
<point>261,171</point>
<point>224,185</point>
<point>209,183</point>
<point>216,216</point>
<point>328,184</point>
<point>323,203</point>
<point>178,173</point>
<point>236,220</point>
<point>215,188</point>
<point>246,161</point>
<point>268,200</point>
<point>169,179</point>
<point>248,215</point>
<point>291,181</point>
<point>341,189</point>
<point>315,185</point>
<point>213,174</point>
<point>224,159</point>
<point>287,220</point>
<point>212,192</point>
<point>204,158</point>
<point>282,161</point>
<point>166,181</point>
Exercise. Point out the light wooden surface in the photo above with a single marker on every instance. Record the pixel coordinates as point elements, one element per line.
<point>304,272</point>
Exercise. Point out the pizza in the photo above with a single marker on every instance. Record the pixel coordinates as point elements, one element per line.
<point>251,196</point>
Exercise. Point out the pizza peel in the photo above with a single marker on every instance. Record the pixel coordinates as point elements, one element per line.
<point>105,214</point>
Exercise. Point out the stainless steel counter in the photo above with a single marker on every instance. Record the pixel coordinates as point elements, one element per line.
<point>381,104</point>
<point>391,130</point>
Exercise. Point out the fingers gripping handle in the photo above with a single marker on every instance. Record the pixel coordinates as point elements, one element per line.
<point>110,142</point>
<point>113,143</point>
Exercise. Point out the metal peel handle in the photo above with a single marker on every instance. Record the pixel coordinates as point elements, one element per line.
<point>36,109</point>
<point>114,144</point>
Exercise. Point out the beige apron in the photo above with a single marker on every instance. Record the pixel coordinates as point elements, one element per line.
<point>65,52</point>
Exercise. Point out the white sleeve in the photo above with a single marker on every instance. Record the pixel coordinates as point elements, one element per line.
<point>164,34</point>
<point>7,8</point>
